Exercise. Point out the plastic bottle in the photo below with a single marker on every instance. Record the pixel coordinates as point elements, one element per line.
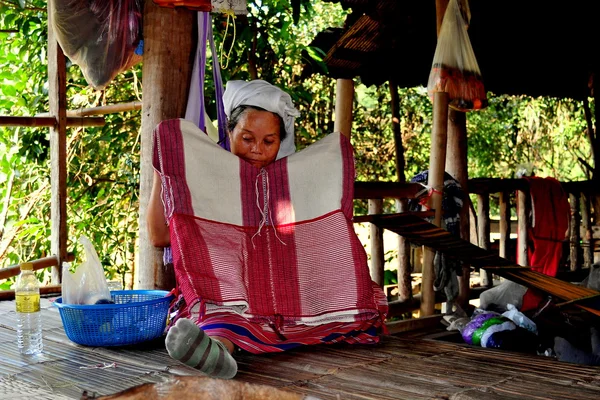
<point>29,322</point>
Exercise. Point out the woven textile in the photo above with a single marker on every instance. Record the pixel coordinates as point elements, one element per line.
<point>275,246</point>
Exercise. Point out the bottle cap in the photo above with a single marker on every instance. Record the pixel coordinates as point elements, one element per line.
<point>27,266</point>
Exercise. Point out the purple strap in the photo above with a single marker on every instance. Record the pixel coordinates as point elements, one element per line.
<point>205,33</point>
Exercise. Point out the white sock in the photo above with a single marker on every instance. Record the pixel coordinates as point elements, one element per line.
<point>187,343</point>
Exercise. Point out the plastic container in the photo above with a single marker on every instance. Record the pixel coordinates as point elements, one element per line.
<point>29,321</point>
<point>136,316</point>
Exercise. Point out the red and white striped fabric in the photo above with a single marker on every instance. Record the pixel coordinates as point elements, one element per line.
<point>275,246</point>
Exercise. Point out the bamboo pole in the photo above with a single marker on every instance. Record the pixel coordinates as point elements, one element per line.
<point>107,109</point>
<point>435,181</point>
<point>377,252</point>
<point>57,96</point>
<point>456,165</point>
<point>168,53</point>
<point>483,228</point>
<point>51,261</point>
<point>41,121</point>
<point>343,106</point>
<point>404,268</point>
<point>574,232</point>
<point>586,225</point>
<point>522,227</point>
<point>504,224</point>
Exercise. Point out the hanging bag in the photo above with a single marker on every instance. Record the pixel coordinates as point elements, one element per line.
<point>98,35</point>
<point>455,69</point>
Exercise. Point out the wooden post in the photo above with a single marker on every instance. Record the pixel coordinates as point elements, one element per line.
<point>404,267</point>
<point>586,225</point>
<point>522,227</point>
<point>483,227</point>
<point>168,56</point>
<point>504,223</point>
<point>377,253</point>
<point>456,165</point>
<point>343,106</point>
<point>575,235</point>
<point>57,96</point>
<point>437,160</point>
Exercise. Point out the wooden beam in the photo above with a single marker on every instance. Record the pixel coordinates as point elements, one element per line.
<point>413,324</point>
<point>57,96</point>
<point>42,121</point>
<point>167,67</point>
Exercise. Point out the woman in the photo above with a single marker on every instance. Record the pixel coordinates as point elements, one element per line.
<point>260,130</point>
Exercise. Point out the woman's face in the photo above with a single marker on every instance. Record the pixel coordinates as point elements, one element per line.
<point>256,137</point>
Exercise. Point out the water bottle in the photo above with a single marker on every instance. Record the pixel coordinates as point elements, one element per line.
<point>29,322</point>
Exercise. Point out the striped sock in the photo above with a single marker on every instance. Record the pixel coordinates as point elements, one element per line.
<point>187,343</point>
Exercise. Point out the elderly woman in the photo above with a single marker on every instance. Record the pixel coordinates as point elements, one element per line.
<point>260,131</point>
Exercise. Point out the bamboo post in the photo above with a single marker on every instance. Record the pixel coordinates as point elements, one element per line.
<point>404,267</point>
<point>343,106</point>
<point>483,228</point>
<point>456,165</point>
<point>377,252</point>
<point>168,53</point>
<point>437,160</point>
<point>522,227</point>
<point>586,225</point>
<point>57,97</point>
<point>575,235</point>
<point>504,225</point>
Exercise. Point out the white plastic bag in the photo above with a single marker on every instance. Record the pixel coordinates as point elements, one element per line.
<point>520,319</point>
<point>87,285</point>
<point>455,69</point>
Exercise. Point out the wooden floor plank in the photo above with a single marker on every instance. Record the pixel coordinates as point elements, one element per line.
<point>396,368</point>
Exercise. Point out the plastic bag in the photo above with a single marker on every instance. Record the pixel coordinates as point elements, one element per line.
<point>98,35</point>
<point>455,69</point>
<point>520,319</point>
<point>87,285</point>
<point>498,297</point>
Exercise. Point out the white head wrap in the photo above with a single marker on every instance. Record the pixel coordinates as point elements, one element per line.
<point>262,94</point>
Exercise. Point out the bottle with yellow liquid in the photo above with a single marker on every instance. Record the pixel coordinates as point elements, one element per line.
<point>29,322</point>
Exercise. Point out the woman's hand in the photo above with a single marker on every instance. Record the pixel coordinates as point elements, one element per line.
<point>155,217</point>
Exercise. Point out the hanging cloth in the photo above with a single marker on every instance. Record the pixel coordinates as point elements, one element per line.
<point>551,214</point>
<point>196,107</point>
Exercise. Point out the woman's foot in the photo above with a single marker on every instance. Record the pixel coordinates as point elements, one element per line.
<point>187,343</point>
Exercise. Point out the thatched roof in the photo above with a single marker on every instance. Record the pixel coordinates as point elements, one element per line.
<point>533,47</point>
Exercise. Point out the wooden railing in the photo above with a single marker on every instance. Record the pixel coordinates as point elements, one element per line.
<point>580,235</point>
<point>42,263</point>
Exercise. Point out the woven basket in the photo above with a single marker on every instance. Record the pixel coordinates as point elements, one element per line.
<point>136,316</point>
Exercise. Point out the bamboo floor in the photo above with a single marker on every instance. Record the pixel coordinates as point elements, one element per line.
<point>400,367</point>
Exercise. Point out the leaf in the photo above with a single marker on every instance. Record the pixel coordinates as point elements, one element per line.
<point>9,90</point>
<point>22,3</point>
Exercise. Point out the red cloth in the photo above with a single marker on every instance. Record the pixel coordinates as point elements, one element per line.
<point>551,214</point>
<point>257,249</point>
